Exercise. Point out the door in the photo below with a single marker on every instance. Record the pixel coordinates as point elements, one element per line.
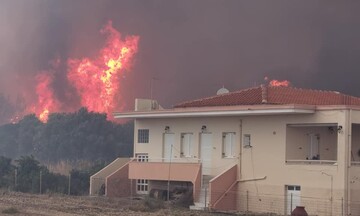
<point>206,152</point>
<point>168,152</point>
<point>293,198</point>
<point>314,147</point>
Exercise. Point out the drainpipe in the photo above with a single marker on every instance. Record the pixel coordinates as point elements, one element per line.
<point>348,161</point>
<point>240,151</point>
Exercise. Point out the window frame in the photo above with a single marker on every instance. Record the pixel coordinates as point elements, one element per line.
<point>190,147</point>
<point>143,136</point>
<point>247,141</point>
<point>232,145</point>
<point>142,185</point>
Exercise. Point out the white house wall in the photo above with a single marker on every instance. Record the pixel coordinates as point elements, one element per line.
<point>266,158</point>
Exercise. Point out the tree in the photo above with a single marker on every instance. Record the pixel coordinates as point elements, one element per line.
<point>5,171</point>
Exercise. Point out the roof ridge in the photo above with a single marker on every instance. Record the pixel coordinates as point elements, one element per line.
<point>215,96</point>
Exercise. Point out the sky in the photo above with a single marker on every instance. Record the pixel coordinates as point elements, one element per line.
<point>187,49</point>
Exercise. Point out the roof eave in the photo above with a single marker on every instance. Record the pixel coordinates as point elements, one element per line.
<point>220,111</point>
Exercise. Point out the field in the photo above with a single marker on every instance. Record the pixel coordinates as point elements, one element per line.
<point>14,203</point>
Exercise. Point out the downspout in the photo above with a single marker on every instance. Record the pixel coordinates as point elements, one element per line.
<point>135,134</point>
<point>240,151</point>
<point>348,161</point>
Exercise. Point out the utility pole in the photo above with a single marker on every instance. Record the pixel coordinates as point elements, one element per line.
<point>40,180</point>
<point>69,184</point>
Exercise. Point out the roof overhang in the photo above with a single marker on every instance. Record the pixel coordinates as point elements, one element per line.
<point>219,111</point>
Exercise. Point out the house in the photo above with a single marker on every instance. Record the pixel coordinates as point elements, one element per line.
<point>261,149</point>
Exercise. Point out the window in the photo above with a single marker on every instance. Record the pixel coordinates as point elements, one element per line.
<point>142,157</point>
<point>186,145</point>
<point>247,141</point>
<point>142,185</point>
<point>228,145</point>
<point>143,136</point>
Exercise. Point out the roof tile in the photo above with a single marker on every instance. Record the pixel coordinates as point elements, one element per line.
<point>275,95</point>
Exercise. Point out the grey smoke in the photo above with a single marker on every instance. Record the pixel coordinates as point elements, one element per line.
<point>192,47</point>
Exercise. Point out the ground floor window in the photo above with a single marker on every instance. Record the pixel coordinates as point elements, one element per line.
<point>142,185</point>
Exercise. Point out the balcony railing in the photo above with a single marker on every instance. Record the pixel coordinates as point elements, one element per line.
<point>172,160</point>
<point>355,163</point>
<point>312,162</point>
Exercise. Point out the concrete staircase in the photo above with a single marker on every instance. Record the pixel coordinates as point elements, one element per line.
<point>204,197</point>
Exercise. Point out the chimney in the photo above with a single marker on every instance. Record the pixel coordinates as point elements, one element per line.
<point>264,94</point>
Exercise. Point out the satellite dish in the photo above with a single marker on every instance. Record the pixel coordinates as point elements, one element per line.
<point>222,91</point>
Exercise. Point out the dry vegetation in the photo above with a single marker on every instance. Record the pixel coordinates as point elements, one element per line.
<point>14,203</point>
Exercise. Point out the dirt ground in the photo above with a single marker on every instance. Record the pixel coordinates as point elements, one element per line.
<point>30,204</point>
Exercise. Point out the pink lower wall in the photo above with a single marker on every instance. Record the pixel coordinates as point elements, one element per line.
<point>118,183</point>
<point>222,197</point>
<point>190,172</point>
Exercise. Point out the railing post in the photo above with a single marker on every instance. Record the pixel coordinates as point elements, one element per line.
<point>291,202</point>
<point>205,197</point>
<point>247,201</point>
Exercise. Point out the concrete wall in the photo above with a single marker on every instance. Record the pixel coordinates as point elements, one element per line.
<point>222,195</point>
<point>267,157</point>
<point>98,179</point>
<point>216,126</point>
<point>118,183</point>
<point>298,142</point>
<point>185,172</point>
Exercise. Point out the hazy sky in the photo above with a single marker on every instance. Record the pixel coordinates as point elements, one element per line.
<point>192,47</point>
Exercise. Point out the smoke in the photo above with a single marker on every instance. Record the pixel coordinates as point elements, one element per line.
<point>188,49</point>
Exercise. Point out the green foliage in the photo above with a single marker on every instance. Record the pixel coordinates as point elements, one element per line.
<point>5,171</point>
<point>29,173</point>
<point>81,135</point>
<point>80,180</point>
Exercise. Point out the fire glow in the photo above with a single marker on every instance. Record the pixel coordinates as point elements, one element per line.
<point>97,81</point>
<point>284,83</point>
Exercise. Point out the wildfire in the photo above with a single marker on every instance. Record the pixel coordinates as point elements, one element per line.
<point>46,99</point>
<point>284,83</point>
<point>97,81</point>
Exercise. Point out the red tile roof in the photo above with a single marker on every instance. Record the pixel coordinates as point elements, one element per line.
<point>274,95</point>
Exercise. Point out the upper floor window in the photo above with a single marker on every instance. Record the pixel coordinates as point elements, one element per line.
<point>247,141</point>
<point>143,136</point>
<point>186,145</point>
<point>228,147</point>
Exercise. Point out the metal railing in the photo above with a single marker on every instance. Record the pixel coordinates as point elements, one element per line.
<point>168,160</point>
<point>314,162</point>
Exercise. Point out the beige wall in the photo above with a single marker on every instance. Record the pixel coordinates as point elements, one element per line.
<point>267,156</point>
<point>297,142</point>
<point>216,126</point>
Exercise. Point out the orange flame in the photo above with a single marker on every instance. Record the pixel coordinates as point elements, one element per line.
<point>46,99</point>
<point>97,81</point>
<point>284,83</point>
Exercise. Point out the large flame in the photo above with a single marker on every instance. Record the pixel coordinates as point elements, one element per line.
<point>97,81</point>
<point>46,100</point>
<point>284,83</point>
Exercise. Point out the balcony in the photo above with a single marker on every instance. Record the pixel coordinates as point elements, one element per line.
<point>311,144</point>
